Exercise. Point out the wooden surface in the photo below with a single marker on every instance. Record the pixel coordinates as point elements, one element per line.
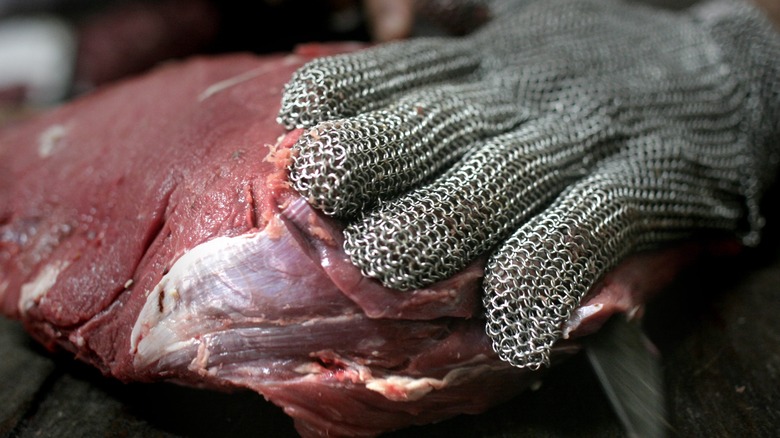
<point>717,329</point>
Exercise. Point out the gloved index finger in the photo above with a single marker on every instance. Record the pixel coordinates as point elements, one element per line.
<point>345,85</point>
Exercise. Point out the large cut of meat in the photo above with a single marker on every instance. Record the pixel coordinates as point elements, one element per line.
<point>148,229</point>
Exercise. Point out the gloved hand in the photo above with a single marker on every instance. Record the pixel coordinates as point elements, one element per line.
<point>562,136</point>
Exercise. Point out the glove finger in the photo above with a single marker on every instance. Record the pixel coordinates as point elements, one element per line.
<point>345,85</point>
<point>344,166</point>
<point>536,279</point>
<point>432,232</point>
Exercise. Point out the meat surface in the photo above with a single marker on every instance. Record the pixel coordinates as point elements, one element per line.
<point>148,229</point>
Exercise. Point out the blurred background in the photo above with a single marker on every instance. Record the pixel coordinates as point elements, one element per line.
<point>52,50</point>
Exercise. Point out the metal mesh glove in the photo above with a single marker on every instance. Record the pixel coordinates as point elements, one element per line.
<point>561,136</point>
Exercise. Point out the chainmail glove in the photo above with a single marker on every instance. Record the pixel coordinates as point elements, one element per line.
<point>560,137</point>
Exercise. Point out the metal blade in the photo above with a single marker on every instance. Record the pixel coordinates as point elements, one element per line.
<point>630,373</point>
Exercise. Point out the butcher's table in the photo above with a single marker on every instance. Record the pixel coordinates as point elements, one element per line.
<point>717,328</point>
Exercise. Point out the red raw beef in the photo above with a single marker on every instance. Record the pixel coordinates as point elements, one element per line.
<point>148,228</point>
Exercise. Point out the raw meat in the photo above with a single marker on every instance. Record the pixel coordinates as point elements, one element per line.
<point>148,229</point>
